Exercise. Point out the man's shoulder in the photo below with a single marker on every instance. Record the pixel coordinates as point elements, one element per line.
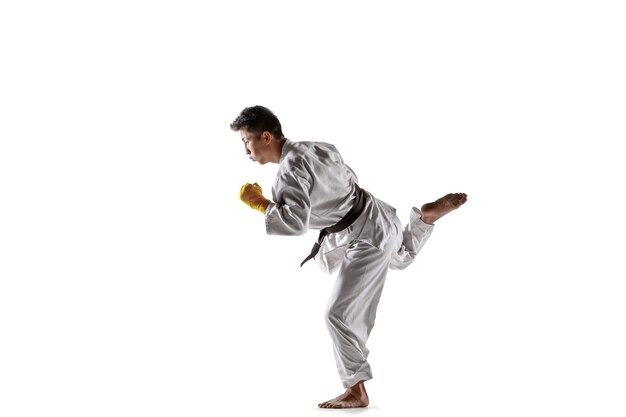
<point>306,155</point>
<point>312,148</point>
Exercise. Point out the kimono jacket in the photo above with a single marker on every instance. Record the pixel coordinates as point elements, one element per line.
<point>314,189</point>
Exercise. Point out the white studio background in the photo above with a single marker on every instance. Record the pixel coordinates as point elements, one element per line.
<point>133,282</point>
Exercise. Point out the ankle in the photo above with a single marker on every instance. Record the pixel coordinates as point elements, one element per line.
<point>358,388</point>
<point>428,219</point>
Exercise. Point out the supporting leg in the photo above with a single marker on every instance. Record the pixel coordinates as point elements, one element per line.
<point>350,317</point>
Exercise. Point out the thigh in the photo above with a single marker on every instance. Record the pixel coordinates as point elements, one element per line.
<point>360,281</point>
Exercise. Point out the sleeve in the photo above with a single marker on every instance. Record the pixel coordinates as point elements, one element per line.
<point>289,213</point>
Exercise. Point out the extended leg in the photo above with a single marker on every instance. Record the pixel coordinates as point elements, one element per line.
<point>413,237</point>
<point>420,227</point>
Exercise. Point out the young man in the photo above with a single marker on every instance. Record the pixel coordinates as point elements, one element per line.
<point>360,234</point>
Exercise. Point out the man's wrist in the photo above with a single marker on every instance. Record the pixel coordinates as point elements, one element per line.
<point>265,204</point>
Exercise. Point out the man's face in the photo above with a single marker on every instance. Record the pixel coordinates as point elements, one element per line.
<point>256,147</point>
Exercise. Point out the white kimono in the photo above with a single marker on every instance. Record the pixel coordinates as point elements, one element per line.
<point>314,189</point>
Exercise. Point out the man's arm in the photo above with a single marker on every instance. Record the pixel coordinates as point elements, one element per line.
<point>289,214</point>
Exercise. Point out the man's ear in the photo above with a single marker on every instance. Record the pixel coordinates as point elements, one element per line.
<point>266,136</point>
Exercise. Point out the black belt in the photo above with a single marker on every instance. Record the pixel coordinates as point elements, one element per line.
<point>342,224</point>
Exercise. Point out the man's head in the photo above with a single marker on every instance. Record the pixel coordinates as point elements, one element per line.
<point>260,132</point>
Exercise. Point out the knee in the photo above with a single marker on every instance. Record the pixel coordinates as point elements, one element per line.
<point>333,317</point>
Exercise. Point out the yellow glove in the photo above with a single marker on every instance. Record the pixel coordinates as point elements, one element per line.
<point>252,195</point>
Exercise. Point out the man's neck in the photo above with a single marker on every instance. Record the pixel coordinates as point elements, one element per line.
<point>278,149</point>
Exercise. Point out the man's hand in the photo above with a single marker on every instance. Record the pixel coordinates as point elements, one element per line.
<point>252,195</point>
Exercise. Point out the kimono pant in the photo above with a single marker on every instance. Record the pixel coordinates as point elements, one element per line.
<point>351,311</point>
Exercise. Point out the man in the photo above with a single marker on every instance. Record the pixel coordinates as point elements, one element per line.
<point>360,234</point>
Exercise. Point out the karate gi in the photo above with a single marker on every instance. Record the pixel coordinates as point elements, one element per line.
<point>314,189</point>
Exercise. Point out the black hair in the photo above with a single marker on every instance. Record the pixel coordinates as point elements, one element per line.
<point>257,119</point>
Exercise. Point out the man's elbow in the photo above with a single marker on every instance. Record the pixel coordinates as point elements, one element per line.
<point>300,228</point>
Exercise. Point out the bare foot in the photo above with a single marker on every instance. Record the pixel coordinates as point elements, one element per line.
<point>431,212</point>
<point>354,397</point>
